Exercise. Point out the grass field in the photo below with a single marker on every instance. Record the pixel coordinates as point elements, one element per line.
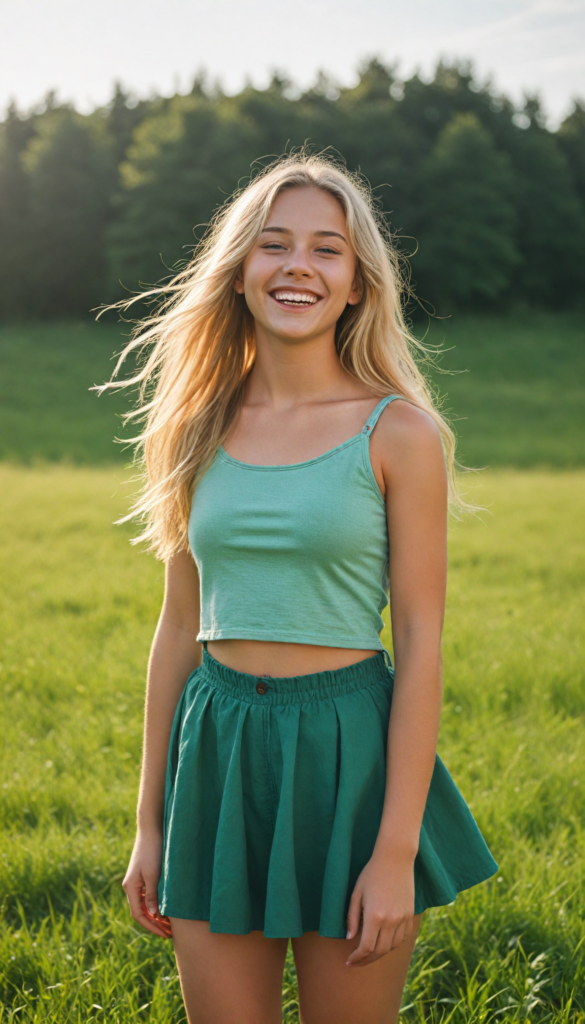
<point>77,611</point>
<point>515,390</point>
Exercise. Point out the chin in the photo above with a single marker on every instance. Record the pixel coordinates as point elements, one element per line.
<point>299,335</point>
<point>298,330</point>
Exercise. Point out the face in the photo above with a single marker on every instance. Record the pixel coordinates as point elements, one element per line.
<point>300,274</point>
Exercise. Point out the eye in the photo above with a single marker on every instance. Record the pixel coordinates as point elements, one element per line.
<point>273,245</point>
<point>328,250</point>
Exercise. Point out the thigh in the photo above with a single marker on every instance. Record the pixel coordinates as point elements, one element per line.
<point>229,979</point>
<point>331,993</point>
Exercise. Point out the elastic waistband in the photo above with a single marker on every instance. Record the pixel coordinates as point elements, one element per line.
<point>295,689</point>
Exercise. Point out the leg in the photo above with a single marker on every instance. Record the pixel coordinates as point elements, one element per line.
<point>331,993</point>
<point>229,979</point>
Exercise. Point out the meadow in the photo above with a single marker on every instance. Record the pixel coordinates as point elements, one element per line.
<point>77,610</point>
<point>513,387</point>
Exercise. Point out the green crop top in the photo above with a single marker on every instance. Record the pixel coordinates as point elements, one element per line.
<point>297,553</point>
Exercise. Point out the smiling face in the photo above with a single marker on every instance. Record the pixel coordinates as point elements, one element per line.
<point>300,274</point>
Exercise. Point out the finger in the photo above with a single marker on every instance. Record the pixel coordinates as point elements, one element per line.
<point>151,896</point>
<point>142,918</point>
<point>152,926</point>
<point>367,944</point>
<point>166,926</point>
<point>162,924</point>
<point>157,919</point>
<point>399,935</point>
<point>134,890</point>
<point>150,910</point>
<point>382,947</point>
<point>133,887</point>
<point>354,913</point>
<point>389,937</point>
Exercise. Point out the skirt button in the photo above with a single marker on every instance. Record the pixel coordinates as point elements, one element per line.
<point>261,688</point>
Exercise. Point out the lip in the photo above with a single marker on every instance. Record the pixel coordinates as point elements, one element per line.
<point>294,291</point>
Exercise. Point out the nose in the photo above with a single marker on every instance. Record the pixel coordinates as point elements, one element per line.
<point>298,264</point>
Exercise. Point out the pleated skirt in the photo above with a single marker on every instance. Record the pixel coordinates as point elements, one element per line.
<point>274,797</point>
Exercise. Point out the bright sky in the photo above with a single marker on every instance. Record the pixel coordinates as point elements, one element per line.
<point>80,47</point>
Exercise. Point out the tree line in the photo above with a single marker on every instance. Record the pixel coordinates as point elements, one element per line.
<point>488,203</point>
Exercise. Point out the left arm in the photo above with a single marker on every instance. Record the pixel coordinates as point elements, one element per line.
<point>408,458</point>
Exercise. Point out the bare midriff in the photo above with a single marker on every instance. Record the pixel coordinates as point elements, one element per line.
<point>266,657</point>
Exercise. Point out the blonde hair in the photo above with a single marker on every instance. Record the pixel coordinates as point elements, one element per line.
<point>202,337</point>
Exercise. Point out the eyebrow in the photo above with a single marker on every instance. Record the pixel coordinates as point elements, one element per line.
<point>320,234</point>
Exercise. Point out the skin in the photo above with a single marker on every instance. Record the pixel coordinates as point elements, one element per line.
<point>299,403</point>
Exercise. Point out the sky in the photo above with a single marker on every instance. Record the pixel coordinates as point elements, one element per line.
<point>80,47</point>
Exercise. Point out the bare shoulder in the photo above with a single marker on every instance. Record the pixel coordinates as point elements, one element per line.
<point>403,427</point>
<point>406,452</point>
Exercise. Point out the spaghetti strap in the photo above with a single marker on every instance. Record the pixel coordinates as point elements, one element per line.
<point>377,412</point>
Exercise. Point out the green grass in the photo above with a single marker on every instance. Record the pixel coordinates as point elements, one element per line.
<point>77,610</point>
<point>517,398</point>
<point>47,411</point>
<point>516,390</point>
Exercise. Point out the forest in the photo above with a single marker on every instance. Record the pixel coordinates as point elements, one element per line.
<point>485,201</point>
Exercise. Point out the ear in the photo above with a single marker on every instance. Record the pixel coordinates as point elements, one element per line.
<point>239,283</point>
<point>356,293</point>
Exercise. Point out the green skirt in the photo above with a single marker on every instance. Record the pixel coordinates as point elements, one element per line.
<point>274,798</point>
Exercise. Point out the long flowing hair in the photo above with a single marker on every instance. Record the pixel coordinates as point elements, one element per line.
<point>201,345</point>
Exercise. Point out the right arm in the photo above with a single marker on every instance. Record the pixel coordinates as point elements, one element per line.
<point>175,653</point>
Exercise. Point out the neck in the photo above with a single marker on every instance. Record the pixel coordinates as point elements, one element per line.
<point>286,373</point>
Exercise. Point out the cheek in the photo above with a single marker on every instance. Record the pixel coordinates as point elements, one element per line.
<point>256,274</point>
<point>341,284</point>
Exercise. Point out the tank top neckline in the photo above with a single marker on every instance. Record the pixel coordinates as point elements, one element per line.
<point>365,431</point>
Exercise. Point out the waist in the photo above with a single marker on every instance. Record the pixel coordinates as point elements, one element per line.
<point>260,657</point>
<point>295,688</point>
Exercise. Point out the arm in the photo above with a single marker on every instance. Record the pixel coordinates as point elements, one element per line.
<point>174,654</point>
<point>412,470</point>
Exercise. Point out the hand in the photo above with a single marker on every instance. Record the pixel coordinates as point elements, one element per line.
<point>384,898</point>
<point>141,884</point>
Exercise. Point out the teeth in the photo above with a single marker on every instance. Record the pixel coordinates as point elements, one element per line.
<point>296,298</point>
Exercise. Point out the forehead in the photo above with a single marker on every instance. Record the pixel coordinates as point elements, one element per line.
<point>307,207</point>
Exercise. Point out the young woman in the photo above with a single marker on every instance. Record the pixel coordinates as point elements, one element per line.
<point>296,469</point>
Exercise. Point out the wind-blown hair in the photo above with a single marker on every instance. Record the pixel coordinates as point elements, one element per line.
<point>203,347</point>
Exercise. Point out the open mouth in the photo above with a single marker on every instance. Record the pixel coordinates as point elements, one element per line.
<point>294,300</point>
